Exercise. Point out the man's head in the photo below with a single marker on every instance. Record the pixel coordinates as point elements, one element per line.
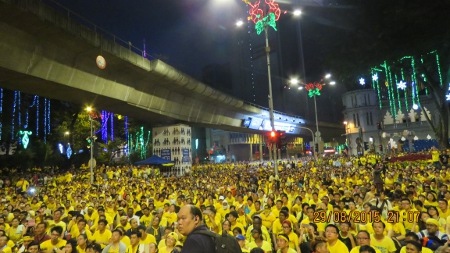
<point>331,232</point>
<point>3,240</point>
<point>257,221</point>
<point>432,225</point>
<point>102,224</point>
<point>116,235</point>
<point>33,247</point>
<point>93,248</point>
<point>189,217</point>
<point>40,228</point>
<point>320,246</point>
<point>135,237</point>
<point>55,234</point>
<point>363,238</point>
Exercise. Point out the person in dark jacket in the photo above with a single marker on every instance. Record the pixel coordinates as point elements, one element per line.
<point>190,221</point>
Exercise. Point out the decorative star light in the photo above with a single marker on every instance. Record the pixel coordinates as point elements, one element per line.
<point>25,139</point>
<point>362,81</point>
<point>375,77</point>
<point>401,85</point>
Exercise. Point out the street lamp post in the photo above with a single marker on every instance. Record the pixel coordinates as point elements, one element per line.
<point>269,77</point>
<point>91,138</point>
<point>313,91</point>
<point>263,17</point>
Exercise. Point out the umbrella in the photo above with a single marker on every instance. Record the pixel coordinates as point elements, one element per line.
<point>155,160</point>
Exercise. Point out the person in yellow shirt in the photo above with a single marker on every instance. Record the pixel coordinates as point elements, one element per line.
<point>81,229</point>
<point>267,217</point>
<point>136,245</point>
<point>381,241</point>
<point>145,238</point>
<point>232,217</point>
<point>4,248</point>
<point>22,185</point>
<point>82,240</point>
<point>334,245</point>
<point>283,244</point>
<point>363,239</point>
<point>146,218</point>
<point>102,235</point>
<point>55,241</point>
<point>293,237</point>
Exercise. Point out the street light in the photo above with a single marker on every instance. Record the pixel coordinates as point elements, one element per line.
<point>313,91</point>
<point>263,18</point>
<point>89,110</point>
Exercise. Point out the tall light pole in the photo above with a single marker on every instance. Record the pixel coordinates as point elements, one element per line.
<point>263,17</point>
<point>91,138</point>
<point>313,91</point>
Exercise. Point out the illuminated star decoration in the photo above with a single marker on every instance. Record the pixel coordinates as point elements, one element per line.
<point>401,85</point>
<point>313,89</point>
<point>258,17</point>
<point>25,138</point>
<point>375,77</point>
<point>362,81</point>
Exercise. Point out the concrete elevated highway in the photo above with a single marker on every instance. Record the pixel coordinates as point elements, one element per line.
<point>52,53</point>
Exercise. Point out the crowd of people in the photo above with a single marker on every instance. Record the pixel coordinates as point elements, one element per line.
<point>333,204</point>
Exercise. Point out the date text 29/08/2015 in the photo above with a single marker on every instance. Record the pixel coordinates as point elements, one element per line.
<point>356,216</point>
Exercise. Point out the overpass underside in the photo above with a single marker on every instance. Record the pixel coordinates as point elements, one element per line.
<point>48,54</point>
<point>41,58</point>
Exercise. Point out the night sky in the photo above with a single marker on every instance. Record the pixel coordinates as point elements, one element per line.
<point>191,34</point>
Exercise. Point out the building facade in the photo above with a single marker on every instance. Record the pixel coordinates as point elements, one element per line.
<point>371,125</point>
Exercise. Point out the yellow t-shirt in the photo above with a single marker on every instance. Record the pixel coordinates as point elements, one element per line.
<point>6,249</point>
<point>266,246</point>
<point>48,246</point>
<point>149,239</point>
<point>385,245</point>
<point>356,250</point>
<point>338,247</point>
<point>102,238</point>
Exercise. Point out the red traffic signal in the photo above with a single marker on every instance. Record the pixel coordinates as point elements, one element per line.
<point>273,134</point>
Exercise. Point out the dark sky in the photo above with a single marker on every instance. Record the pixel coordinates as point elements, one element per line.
<point>186,34</point>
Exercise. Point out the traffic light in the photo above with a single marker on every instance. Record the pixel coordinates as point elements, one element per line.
<point>366,145</point>
<point>272,137</point>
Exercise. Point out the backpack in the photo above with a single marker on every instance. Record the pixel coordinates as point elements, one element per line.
<point>224,243</point>
<point>432,242</point>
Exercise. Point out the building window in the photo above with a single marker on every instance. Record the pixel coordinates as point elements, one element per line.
<point>354,120</point>
<point>371,119</point>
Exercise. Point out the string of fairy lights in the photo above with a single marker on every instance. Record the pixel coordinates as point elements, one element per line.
<point>399,82</point>
<point>21,128</point>
<point>19,124</point>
